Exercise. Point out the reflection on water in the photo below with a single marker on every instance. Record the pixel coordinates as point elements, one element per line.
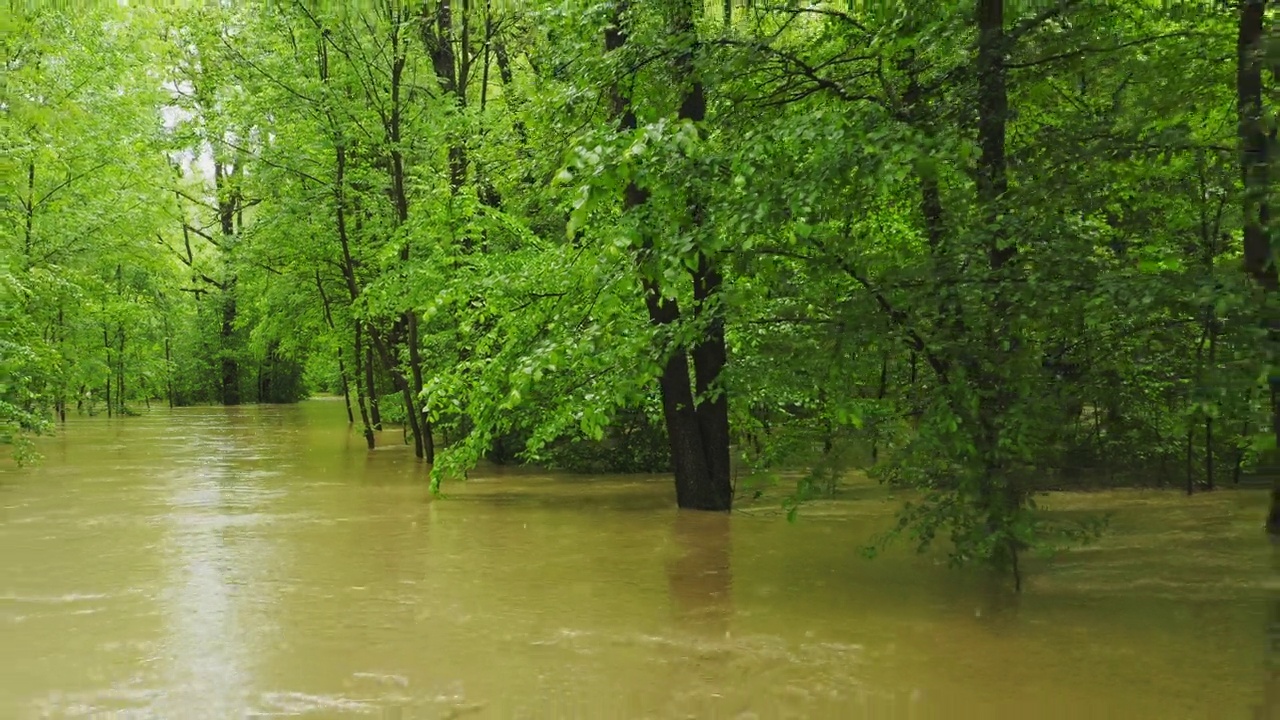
<point>248,562</point>
<point>700,577</point>
<point>203,661</point>
<point>215,585</point>
<point>1269,709</point>
<point>700,587</point>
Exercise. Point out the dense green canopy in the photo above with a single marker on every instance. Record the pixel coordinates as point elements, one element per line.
<point>980,248</point>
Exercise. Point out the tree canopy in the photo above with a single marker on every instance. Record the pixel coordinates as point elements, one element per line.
<point>979,249</point>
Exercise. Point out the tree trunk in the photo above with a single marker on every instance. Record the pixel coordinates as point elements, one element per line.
<point>993,110</point>
<point>364,413</point>
<point>346,389</point>
<point>168,369</point>
<point>402,383</point>
<point>410,385</point>
<point>120,370</point>
<point>62,388</point>
<point>698,434</point>
<point>387,348</point>
<point>227,185</point>
<point>684,433</point>
<point>428,444</point>
<point>710,353</point>
<point>348,263</point>
<point>709,358</point>
<point>1209,481</point>
<point>261,384</point>
<point>1258,259</point>
<point>1001,499</point>
<point>1190,460</point>
<point>342,368</point>
<point>230,368</point>
<point>106,343</point>
<point>371,388</point>
<point>30,208</point>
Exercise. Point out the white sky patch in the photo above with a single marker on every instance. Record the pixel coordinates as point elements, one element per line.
<point>192,162</point>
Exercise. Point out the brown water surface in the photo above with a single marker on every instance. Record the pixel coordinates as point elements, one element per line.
<point>257,561</point>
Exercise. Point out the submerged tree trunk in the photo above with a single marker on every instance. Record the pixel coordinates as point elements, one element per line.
<point>428,444</point>
<point>342,367</point>
<point>348,263</point>
<point>371,388</point>
<point>60,337</point>
<point>697,427</point>
<point>709,358</point>
<point>410,383</point>
<point>106,343</point>
<point>227,184</point>
<point>120,410</point>
<point>1255,171</point>
<point>710,354</point>
<point>694,489</point>
<point>388,344</point>
<point>230,381</point>
<point>360,402</point>
<point>346,389</point>
<point>168,367</point>
<point>1001,498</point>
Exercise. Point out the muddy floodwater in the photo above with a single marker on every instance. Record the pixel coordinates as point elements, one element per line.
<point>259,562</point>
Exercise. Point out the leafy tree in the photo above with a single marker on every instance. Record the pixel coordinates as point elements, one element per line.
<point>977,249</point>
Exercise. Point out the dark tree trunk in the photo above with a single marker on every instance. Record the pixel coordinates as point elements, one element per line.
<point>505,73</point>
<point>710,353</point>
<point>1254,145</point>
<point>411,384</point>
<point>993,110</point>
<point>698,433</point>
<point>168,369</point>
<point>684,432</point>
<point>62,389</point>
<point>106,343</point>
<point>1001,498</point>
<point>342,367</point>
<point>709,358</point>
<point>371,387</point>
<point>227,184</point>
<point>388,347</point>
<point>387,355</point>
<point>120,370</point>
<point>230,368</point>
<point>407,395</point>
<point>1209,481</point>
<point>428,444</point>
<point>437,37</point>
<point>346,389</point>
<point>348,264</point>
<point>30,208</point>
<point>1254,152</point>
<point>1190,460</point>
<point>360,402</point>
<point>881,391</point>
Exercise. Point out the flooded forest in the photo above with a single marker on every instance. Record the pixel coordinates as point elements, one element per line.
<point>669,359</point>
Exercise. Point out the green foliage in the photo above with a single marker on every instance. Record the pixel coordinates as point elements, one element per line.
<point>315,190</point>
<point>25,367</point>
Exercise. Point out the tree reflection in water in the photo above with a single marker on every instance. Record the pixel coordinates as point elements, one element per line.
<point>1270,707</point>
<point>699,577</point>
<point>700,587</point>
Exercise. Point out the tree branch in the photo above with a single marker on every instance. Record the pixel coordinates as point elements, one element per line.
<point>65,183</point>
<point>1081,52</point>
